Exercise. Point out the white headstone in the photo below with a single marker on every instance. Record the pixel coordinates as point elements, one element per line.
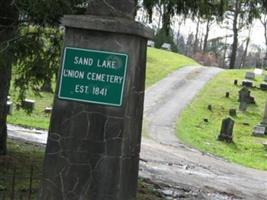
<point>150,43</point>
<point>259,130</point>
<point>258,71</point>
<point>250,75</point>
<point>166,46</point>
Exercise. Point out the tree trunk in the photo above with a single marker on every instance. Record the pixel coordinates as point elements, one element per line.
<point>265,36</point>
<point>235,39</point>
<point>8,22</point>
<point>244,56</point>
<point>206,36</point>
<point>166,18</point>
<point>5,75</point>
<point>196,42</point>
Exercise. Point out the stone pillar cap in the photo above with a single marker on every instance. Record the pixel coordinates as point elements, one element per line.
<point>108,24</point>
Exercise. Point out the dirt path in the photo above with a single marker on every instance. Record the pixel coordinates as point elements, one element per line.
<point>166,160</point>
<point>181,172</point>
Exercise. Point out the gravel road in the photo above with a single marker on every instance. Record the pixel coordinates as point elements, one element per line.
<point>166,160</point>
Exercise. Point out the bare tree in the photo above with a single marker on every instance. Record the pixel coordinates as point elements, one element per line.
<point>263,20</point>
<point>239,15</point>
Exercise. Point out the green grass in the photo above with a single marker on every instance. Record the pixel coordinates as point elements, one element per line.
<point>24,156</point>
<point>38,118</point>
<point>192,130</point>
<point>159,64</point>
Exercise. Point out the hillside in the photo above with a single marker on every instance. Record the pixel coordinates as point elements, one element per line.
<point>200,127</point>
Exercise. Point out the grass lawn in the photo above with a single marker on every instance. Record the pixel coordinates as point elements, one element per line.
<point>159,64</point>
<point>24,156</point>
<point>192,130</point>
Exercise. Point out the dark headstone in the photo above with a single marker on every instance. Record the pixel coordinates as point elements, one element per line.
<point>245,99</point>
<point>210,107</point>
<point>243,106</point>
<point>227,94</point>
<point>28,104</point>
<point>263,86</point>
<point>235,82</point>
<point>226,133</point>
<point>250,75</point>
<point>247,83</point>
<point>232,112</point>
<point>93,147</point>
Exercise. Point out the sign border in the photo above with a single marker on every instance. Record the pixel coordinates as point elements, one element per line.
<point>90,101</point>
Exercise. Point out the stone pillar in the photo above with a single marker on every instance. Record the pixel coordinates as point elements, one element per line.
<point>95,130</point>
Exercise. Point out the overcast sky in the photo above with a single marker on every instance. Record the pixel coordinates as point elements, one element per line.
<point>257,32</point>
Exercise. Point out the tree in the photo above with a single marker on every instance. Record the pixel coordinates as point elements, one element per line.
<point>239,14</point>
<point>29,37</point>
<point>8,29</point>
<point>182,7</point>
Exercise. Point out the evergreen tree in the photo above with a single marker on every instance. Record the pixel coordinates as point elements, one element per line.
<point>30,40</point>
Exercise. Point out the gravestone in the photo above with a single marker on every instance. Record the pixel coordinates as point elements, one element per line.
<point>245,99</point>
<point>210,107</point>
<point>226,133</point>
<point>247,83</point>
<point>227,94</point>
<point>95,130</point>
<point>232,112</point>
<point>151,43</point>
<point>250,75</point>
<point>261,128</point>
<point>48,110</point>
<point>263,86</point>
<point>28,104</point>
<point>258,130</point>
<point>166,46</point>
<point>258,71</point>
<point>235,82</point>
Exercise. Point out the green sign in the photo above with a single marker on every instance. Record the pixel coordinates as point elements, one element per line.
<point>93,76</point>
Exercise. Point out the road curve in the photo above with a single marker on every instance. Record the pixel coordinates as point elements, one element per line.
<point>167,160</point>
